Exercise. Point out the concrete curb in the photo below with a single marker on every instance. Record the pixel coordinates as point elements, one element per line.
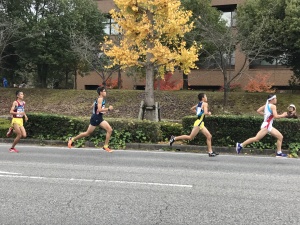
<point>153,147</point>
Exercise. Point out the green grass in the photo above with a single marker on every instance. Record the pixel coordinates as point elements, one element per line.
<point>174,104</point>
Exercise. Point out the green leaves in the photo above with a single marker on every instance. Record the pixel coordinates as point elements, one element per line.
<point>46,34</point>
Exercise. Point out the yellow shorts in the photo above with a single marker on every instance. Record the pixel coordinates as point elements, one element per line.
<point>199,123</point>
<point>18,121</point>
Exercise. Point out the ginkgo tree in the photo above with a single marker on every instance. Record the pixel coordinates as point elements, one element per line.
<point>153,32</point>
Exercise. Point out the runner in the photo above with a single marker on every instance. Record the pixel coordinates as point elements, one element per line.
<point>269,112</point>
<point>18,112</point>
<point>97,120</point>
<point>201,109</point>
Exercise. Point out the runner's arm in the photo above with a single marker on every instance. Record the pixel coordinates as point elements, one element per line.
<point>261,110</point>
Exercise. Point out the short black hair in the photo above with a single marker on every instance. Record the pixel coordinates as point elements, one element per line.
<point>100,89</point>
<point>18,92</point>
<point>270,96</point>
<point>200,96</point>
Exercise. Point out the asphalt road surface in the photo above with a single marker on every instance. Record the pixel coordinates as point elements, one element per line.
<point>56,185</point>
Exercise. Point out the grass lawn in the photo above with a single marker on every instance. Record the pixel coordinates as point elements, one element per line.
<point>174,104</point>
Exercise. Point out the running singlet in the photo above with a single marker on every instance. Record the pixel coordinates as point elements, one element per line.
<point>200,111</point>
<point>268,118</point>
<point>95,107</point>
<point>19,108</point>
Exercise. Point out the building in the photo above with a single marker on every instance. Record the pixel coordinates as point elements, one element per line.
<point>201,78</point>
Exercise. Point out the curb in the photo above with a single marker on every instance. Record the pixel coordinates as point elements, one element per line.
<point>153,147</point>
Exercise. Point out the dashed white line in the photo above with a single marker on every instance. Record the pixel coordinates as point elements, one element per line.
<point>5,172</point>
<point>96,181</point>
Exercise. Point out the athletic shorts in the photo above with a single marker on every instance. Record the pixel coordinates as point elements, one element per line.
<point>18,121</point>
<point>96,119</point>
<point>199,123</point>
<point>267,125</point>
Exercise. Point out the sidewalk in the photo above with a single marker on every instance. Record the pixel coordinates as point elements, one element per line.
<point>153,147</point>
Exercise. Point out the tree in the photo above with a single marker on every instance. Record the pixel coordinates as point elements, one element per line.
<point>91,59</point>
<point>152,38</point>
<point>8,29</point>
<point>221,41</point>
<point>218,40</point>
<point>280,22</point>
<point>48,25</point>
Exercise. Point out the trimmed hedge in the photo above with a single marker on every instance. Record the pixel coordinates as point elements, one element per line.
<point>227,130</point>
<point>59,127</point>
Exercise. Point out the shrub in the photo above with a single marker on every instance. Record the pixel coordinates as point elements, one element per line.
<point>170,128</point>
<point>259,83</point>
<point>227,130</point>
<point>234,87</point>
<point>167,84</point>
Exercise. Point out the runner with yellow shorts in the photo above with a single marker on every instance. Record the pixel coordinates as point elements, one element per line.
<point>201,109</point>
<point>18,113</point>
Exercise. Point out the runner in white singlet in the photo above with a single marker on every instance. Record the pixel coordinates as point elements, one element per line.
<point>268,118</point>
<point>269,112</point>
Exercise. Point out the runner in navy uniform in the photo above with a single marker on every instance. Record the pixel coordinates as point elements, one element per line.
<point>97,120</point>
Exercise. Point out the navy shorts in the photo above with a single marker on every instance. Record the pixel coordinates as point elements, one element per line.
<point>96,119</point>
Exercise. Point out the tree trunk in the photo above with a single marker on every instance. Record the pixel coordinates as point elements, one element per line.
<point>119,79</point>
<point>42,71</point>
<point>66,78</point>
<point>226,91</point>
<point>149,88</point>
<point>75,79</point>
<point>185,85</point>
<point>149,93</point>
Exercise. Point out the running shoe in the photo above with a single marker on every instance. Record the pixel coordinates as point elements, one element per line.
<point>13,150</point>
<point>213,154</point>
<point>70,142</point>
<point>9,132</point>
<point>172,140</point>
<point>281,155</point>
<point>238,148</point>
<point>107,149</point>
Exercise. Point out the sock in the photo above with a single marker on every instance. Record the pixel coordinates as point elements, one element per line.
<point>105,146</point>
<point>241,145</point>
<point>279,152</point>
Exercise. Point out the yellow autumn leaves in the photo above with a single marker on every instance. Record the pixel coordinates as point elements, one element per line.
<point>152,32</point>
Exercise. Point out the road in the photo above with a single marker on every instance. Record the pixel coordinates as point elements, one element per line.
<point>56,185</point>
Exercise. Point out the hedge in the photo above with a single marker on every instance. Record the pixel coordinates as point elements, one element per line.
<point>226,130</point>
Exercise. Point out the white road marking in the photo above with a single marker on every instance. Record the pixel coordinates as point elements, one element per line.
<point>96,181</point>
<point>5,172</point>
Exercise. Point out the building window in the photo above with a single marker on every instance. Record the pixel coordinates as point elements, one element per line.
<point>228,13</point>
<point>280,61</point>
<point>212,62</point>
<point>110,26</point>
<point>229,18</point>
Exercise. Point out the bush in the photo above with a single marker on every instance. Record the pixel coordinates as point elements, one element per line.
<point>170,128</point>
<point>227,130</point>
<point>260,83</point>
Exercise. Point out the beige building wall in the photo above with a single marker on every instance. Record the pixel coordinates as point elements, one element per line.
<point>280,75</point>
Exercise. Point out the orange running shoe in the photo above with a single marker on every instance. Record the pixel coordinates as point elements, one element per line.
<point>70,142</point>
<point>107,149</point>
<point>9,132</point>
